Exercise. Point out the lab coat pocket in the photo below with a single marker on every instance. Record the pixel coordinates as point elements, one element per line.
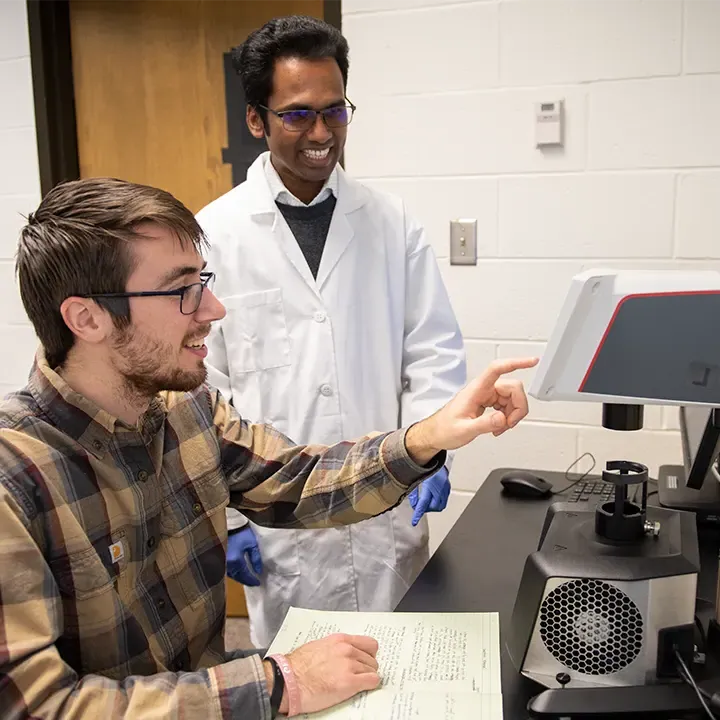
<point>255,331</point>
<point>279,550</point>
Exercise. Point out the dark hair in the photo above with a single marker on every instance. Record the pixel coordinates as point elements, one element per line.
<point>77,243</point>
<point>297,36</point>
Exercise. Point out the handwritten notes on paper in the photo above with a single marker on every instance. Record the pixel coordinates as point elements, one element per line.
<point>433,666</point>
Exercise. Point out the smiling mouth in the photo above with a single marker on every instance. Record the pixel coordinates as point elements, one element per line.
<point>196,345</point>
<point>317,154</point>
<point>197,348</point>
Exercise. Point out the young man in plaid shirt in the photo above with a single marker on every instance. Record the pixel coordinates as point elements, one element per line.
<point>117,462</point>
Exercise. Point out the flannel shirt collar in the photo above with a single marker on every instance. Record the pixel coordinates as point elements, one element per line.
<point>80,418</point>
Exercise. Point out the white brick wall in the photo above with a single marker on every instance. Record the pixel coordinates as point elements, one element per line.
<point>698,213</point>
<point>445,94</point>
<point>702,30</point>
<point>474,50</point>
<point>655,123</point>
<point>19,186</point>
<point>560,41</point>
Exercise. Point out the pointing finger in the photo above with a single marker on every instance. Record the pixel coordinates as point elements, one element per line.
<point>497,368</point>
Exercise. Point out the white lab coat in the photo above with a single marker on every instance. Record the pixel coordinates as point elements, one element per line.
<point>371,344</point>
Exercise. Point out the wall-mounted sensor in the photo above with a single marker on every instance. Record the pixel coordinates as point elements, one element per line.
<point>549,124</point>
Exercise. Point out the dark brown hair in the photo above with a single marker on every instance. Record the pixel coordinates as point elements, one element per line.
<point>78,243</point>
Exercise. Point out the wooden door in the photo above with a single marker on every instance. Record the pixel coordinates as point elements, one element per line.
<point>150,87</point>
<point>150,80</point>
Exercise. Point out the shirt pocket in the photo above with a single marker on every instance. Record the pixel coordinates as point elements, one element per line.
<point>94,622</point>
<point>255,331</point>
<point>194,533</point>
<point>87,573</point>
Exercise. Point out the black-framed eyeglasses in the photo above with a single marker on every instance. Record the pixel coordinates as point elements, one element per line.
<point>190,295</point>
<point>299,120</point>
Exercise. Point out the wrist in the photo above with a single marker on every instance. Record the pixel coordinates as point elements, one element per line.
<point>290,703</point>
<point>269,675</point>
<point>419,442</point>
<point>275,684</point>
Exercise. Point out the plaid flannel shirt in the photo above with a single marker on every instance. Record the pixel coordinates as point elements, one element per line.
<point>112,545</point>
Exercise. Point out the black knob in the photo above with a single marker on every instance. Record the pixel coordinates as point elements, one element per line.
<point>563,679</point>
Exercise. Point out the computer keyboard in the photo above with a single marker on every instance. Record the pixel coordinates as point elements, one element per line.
<point>595,491</point>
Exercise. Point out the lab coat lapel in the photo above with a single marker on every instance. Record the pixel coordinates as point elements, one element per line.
<point>351,196</point>
<point>264,212</point>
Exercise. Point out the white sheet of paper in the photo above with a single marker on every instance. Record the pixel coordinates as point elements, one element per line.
<point>426,705</point>
<point>433,666</point>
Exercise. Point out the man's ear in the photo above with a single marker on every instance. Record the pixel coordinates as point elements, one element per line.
<point>86,319</point>
<point>255,123</point>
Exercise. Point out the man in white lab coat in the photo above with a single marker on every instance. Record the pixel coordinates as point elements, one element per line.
<point>337,323</point>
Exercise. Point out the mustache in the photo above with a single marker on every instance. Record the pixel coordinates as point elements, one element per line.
<point>201,333</point>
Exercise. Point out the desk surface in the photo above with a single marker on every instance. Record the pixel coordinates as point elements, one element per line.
<point>478,566</point>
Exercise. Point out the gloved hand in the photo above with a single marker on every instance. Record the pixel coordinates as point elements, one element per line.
<point>242,552</point>
<point>432,495</point>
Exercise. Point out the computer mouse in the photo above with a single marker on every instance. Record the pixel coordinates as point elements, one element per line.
<point>521,483</point>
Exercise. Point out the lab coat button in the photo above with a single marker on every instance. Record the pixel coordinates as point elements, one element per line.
<point>326,390</point>
<point>319,316</point>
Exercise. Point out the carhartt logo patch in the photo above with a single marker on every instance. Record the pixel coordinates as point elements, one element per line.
<point>117,552</point>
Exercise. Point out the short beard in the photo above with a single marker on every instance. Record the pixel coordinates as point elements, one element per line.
<point>142,363</point>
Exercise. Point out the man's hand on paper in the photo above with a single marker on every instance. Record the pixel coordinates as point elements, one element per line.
<point>431,495</point>
<point>463,418</point>
<point>333,669</point>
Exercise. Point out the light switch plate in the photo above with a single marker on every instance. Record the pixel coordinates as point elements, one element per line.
<point>463,242</point>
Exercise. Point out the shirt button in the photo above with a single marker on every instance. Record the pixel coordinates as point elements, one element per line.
<point>97,445</point>
<point>161,603</point>
<point>151,543</point>
<point>319,316</point>
<point>197,508</point>
<point>142,476</point>
<point>326,390</point>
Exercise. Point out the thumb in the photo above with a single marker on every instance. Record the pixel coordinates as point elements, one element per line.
<point>494,422</point>
<point>413,497</point>
<point>366,681</point>
<point>256,559</point>
<point>422,506</point>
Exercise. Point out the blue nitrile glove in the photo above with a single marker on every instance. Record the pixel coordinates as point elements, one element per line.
<point>432,495</point>
<point>243,551</point>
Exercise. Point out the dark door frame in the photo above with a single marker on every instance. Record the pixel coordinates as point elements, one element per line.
<point>54,93</point>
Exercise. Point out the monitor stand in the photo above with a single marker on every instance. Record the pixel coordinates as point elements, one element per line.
<point>674,493</point>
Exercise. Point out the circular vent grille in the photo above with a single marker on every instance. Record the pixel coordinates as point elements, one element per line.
<point>591,627</point>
